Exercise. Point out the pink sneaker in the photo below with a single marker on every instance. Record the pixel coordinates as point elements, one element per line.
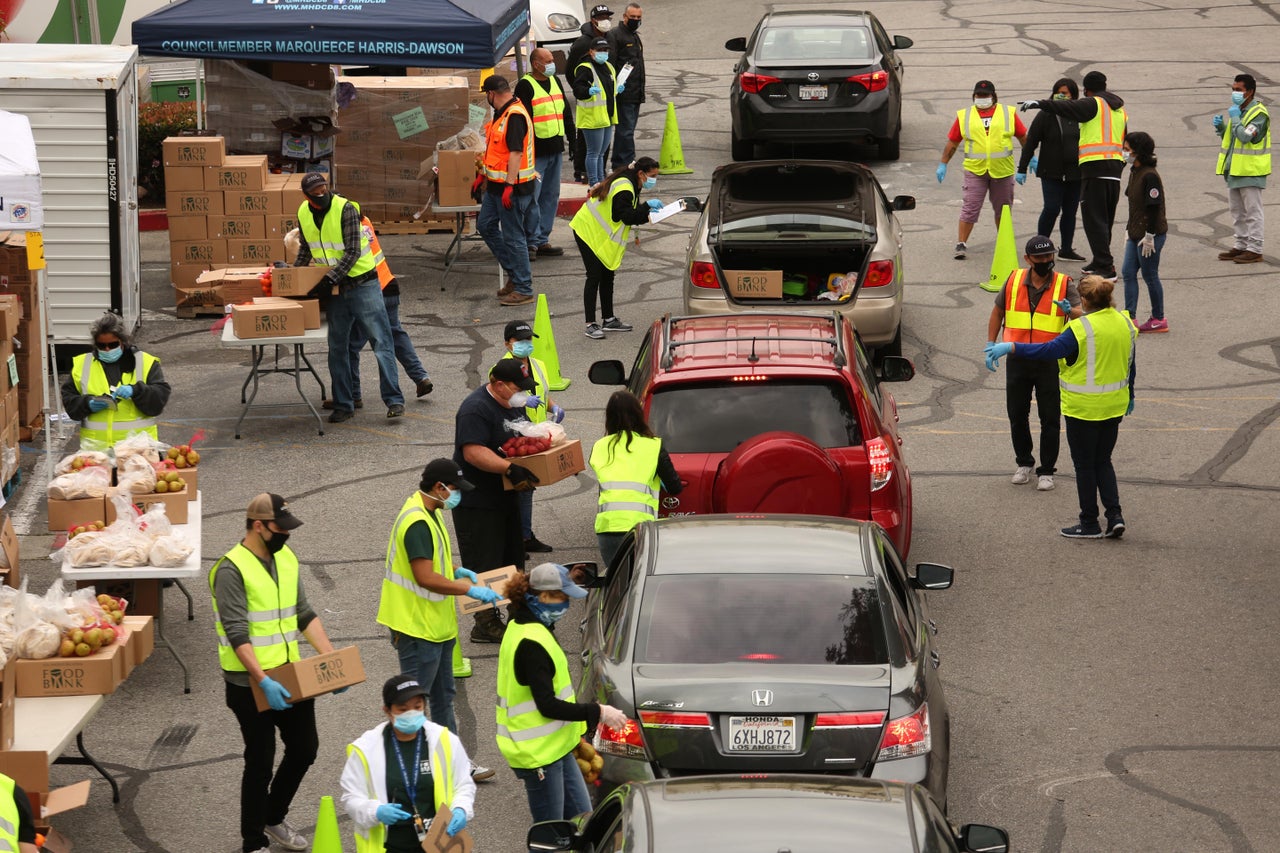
<point>1154,325</point>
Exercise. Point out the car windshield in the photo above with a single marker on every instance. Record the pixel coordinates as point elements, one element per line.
<point>835,619</point>
<point>716,418</point>
<point>827,45</point>
<point>793,226</point>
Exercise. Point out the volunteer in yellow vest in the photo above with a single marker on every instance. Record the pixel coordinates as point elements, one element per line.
<point>17,822</point>
<point>1103,123</point>
<point>115,390</point>
<point>1244,163</point>
<point>1096,369</point>
<point>1033,308</point>
<point>332,236</point>
<point>402,774</point>
<point>602,227</point>
<point>508,218</point>
<point>540,721</point>
<point>595,88</point>
<point>539,92</point>
<point>986,129</point>
<point>260,609</point>
<point>419,585</point>
<point>539,407</point>
<point>630,464</point>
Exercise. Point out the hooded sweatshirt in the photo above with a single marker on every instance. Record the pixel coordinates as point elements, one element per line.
<point>1084,109</point>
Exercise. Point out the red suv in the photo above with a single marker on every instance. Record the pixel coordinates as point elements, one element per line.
<point>773,413</point>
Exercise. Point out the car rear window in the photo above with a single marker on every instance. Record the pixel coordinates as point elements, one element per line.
<point>716,418</point>
<point>795,227</point>
<point>792,619</point>
<point>795,182</point>
<point>827,45</point>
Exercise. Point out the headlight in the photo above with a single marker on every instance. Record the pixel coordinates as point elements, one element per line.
<point>561,23</point>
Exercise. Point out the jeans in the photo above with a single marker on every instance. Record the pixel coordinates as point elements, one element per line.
<point>609,544</point>
<point>507,234</point>
<point>264,799</point>
<point>1023,377</point>
<point>403,346</point>
<point>1061,197</point>
<point>360,305</point>
<point>1091,443</point>
<point>624,138</point>
<point>599,281</point>
<point>560,794</point>
<point>432,664</point>
<point>1245,204</point>
<point>549,166</point>
<point>1133,261</point>
<point>526,513</point>
<point>1098,200</point>
<point>598,139</point>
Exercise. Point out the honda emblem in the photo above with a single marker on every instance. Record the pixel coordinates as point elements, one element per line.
<point>813,76</point>
<point>761,698</point>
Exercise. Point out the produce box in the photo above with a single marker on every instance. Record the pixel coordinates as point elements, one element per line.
<point>192,203</point>
<point>315,676</point>
<point>98,673</point>
<point>296,281</point>
<point>29,768</point>
<point>552,466</point>
<point>184,178</point>
<point>194,151</point>
<point>185,229</point>
<point>10,315</point>
<point>8,692</point>
<point>63,515</point>
<point>275,320</point>
<point>175,505</point>
<point>495,579</point>
<point>142,637</point>
<point>754,284</point>
<point>239,173</point>
<point>203,252</point>
<point>249,203</point>
<point>12,576</point>
<point>233,227</point>
<point>310,308</point>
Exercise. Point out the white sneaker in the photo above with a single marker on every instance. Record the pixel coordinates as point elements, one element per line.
<point>286,836</point>
<point>1045,483</point>
<point>1021,476</point>
<point>480,773</point>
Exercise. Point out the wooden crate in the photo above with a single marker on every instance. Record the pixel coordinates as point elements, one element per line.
<point>412,226</point>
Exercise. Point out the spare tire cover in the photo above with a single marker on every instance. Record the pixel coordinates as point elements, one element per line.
<point>780,472</point>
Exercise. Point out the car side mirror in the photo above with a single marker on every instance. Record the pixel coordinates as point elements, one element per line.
<point>933,576</point>
<point>586,575</point>
<point>904,202</point>
<point>895,368</point>
<point>980,838</point>
<point>738,45</point>
<point>609,372</point>
<point>692,203</point>
<point>902,42</point>
<point>552,835</point>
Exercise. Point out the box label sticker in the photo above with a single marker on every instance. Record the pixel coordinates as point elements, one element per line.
<point>13,370</point>
<point>475,115</point>
<point>410,122</point>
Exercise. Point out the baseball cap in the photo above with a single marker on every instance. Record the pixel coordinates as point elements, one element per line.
<point>312,180</point>
<point>518,329</point>
<point>600,44</point>
<point>512,370</point>
<point>984,87</point>
<point>269,507</point>
<point>400,689</point>
<point>548,577</point>
<point>1040,245</point>
<point>495,83</point>
<point>444,471</point>
<point>601,11</point>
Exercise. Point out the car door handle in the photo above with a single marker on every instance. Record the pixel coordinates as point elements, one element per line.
<point>933,627</point>
<point>935,660</point>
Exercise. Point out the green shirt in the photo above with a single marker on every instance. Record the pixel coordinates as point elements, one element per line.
<point>401,837</point>
<point>417,542</point>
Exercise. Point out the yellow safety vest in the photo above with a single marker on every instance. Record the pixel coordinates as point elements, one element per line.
<point>1096,386</point>
<point>1248,159</point>
<point>105,428</point>
<point>8,816</point>
<point>406,605</point>
<point>536,414</point>
<point>548,109</point>
<point>273,609</point>
<point>442,790</point>
<point>326,243</point>
<point>1102,137</point>
<point>594,223</point>
<point>594,113</point>
<point>527,739</point>
<point>1024,326</point>
<point>629,481</point>
<point>989,151</point>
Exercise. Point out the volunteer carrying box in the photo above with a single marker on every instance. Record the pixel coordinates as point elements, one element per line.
<point>314,676</point>
<point>552,466</point>
<point>496,580</point>
<point>274,320</point>
<point>296,281</point>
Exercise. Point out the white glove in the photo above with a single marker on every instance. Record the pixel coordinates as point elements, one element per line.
<point>612,717</point>
<point>1148,245</point>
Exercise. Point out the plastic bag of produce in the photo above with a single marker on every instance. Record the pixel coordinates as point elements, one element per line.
<point>36,638</point>
<point>83,459</point>
<point>92,482</point>
<point>139,444</point>
<point>170,551</point>
<point>532,438</point>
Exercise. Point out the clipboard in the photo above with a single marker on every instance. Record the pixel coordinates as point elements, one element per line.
<point>677,206</point>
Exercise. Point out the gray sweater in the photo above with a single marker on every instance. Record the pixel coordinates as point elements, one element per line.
<point>233,608</point>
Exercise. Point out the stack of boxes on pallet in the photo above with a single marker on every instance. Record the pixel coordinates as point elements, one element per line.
<point>22,352</point>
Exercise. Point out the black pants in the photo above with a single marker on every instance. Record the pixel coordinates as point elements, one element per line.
<point>599,280</point>
<point>1091,443</point>
<point>1061,198</point>
<point>264,799</point>
<point>1098,200</point>
<point>490,539</point>
<point>1024,377</point>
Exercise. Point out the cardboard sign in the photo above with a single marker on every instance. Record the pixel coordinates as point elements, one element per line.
<point>754,284</point>
<point>495,580</point>
<point>438,839</point>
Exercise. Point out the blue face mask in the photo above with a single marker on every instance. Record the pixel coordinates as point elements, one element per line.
<point>649,183</point>
<point>522,349</point>
<point>110,356</point>
<point>410,722</point>
<point>548,614</point>
<point>550,70</point>
<point>602,57</point>
<point>455,498</point>
<point>1237,98</point>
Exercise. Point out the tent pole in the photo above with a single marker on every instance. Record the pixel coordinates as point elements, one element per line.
<point>201,94</point>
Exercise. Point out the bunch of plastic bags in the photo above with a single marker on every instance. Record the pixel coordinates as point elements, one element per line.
<point>131,540</point>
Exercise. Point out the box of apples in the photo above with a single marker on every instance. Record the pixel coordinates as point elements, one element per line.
<point>183,461</point>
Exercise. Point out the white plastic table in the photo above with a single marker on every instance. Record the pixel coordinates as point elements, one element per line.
<point>301,365</point>
<point>48,724</point>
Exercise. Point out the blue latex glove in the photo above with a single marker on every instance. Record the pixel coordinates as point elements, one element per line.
<point>1020,178</point>
<point>390,813</point>
<point>1034,164</point>
<point>941,171</point>
<point>1218,123</point>
<point>1129,411</point>
<point>123,392</point>
<point>96,405</point>
<point>277,695</point>
<point>594,90</point>
<point>460,572</point>
<point>621,88</point>
<point>654,204</point>
<point>483,593</point>
<point>1065,305</point>
<point>1234,113</point>
<point>341,690</point>
<point>459,820</point>
<point>533,402</point>
<point>995,352</point>
<point>557,414</point>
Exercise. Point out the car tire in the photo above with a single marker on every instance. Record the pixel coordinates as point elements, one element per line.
<point>742,149</point>
<point>890,148</point>
<point>894,347</point>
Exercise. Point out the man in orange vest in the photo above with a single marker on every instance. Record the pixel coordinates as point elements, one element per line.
<point>508,219</point>
<point>542,96</point>
<point>1033,308</point>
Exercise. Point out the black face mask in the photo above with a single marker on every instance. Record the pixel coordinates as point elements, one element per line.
<point>632,25</point>
<point>276,542</point>
<point>1043,268</point>
<point>323,202</point>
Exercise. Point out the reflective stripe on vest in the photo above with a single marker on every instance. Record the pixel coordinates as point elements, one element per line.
<point>112,425</point>
<point>442,790</point>
<point>1096,386</point>
<point>326,243</point>
<point>8,816</point>
<point>526,738</point>
<point>1024,326</point>
<point>547,109</point>
<point>605,238</point>
<point>405,605</point>
<point>988,151</point>
<point>272,609</point>
<point>629,484</point>
<point>594,113</point>
<point>1248,159</point>
<point>379,260</point>
<point>497,156</point>
<point>1102,137</point>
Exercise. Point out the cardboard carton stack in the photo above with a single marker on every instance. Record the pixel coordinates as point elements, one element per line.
<point>244,106</point>
<point>22,352</point>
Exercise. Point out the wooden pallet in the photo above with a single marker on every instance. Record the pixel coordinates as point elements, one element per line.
<point>191,312</point>
<point>27,432</point>
<point>413,226</point>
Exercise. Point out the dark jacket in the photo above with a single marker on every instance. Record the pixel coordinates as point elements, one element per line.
<point>624,47</point>
<point>1083,110</point>
<point>1145,192</point>
<point>150,395</point>
<point>628,209</point>
<point>1058,140</point>
<point>578,50</point>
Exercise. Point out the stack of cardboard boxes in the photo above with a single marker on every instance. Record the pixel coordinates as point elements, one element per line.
<point>246,102</point>
<point>22,386</point>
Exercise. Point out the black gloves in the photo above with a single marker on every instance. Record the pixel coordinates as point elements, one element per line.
<point>521,477</point>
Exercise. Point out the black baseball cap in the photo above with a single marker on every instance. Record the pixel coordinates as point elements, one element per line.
<point>984,87</point>
<point>512,370</point>
<point>519,330</point>
<point>269,507</point>
<point>495,83</point>
<point>312,180</point>
<point>1040,245</point>
<point>600,44</point>
<point>444,471</point>
<point>400,689</point>
<point>601,11</point>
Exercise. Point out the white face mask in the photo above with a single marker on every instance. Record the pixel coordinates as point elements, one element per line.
<point>983,103</point>
<point>604,25</point>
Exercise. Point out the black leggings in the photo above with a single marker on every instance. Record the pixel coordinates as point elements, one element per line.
<point>599,279</point>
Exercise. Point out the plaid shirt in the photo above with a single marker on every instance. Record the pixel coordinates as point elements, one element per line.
<point>350,242</point>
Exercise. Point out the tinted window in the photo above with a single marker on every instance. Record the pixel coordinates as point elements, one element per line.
<point>641,371</point>
<point>794,227</point>
<point>838,44</point>
<point>881,36</point>
<point>794,182</point>
<point>835,621</point>
<point>700,418</point>
<point>612,612</point>
<point>897,579</point>
<point>942,840</point>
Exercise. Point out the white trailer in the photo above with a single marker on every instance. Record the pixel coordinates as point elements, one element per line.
<point>82,101</point>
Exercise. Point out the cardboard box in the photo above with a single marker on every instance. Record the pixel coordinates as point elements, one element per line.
<point>190,203</point>
<point>754,284</point>
<point>456,172</point>
<point>63,515</point>
<point>240,173</point>
<point>184,178</point>
<point>305,146</point>
<point>296,281</point>
<point>142,637</point>
<point>355,174</point>
<point>306,75</point>
<point>495,579</point>
<point>8,692</point>
<point>310,310</point>
<point>6,378</point>
<point>315,676</point>
<point>205,252</point>
<point>175,505</point>
<point>276,320</point>
<point>30,770</point>
<point>291,195</point>
<point>192,476</point>
<point>263,251</point>
<point>98,673</point>
<point>194,151</point>
<point>10,315</point>
<point>184,229</point>
<point>552,466</point>
<point>12,574</point>
<point>234,228</point>
<point>223,286</point>
<point>185,276</point>
<point>278,226</point>
<point>261,203</point>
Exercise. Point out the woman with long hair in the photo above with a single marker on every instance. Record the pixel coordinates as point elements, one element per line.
<point>1147,230</point>
<point>1057,139</point>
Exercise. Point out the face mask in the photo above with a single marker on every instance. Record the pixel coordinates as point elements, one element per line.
<point>110,356</point>
<point>410,722</point>
<point>518,400</point>
<point>550,70</point>
<point>1059,96</point>
<point>649,183</point>
<point>548,614</point>
<point>276,541</point>
<point>1043,268</point>
<point>321,202</point>
<point>633,25</point>
<point>602,57</point>
<point>983,103</point>
<point>522,349</point>
<point>604,25</point>
<point>1237,98</point>
<point>455,498</point>
<point>1128,156</point>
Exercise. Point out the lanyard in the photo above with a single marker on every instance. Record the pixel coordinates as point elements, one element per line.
<point>411,787</point>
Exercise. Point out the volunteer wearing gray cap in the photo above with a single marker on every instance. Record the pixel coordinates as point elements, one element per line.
<point>540,721</point>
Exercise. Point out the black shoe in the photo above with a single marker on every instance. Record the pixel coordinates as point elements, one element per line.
<point>327,405</point>
<point>1079,531</point>
<point>489,631</point>
<point>533,255</point>
<point>1069,255</point>
<point>613,324</point>
<point>424,387</point>
<point>550,251</point>
<point>395,411</point>
<point>340,415</point>
<point>533,545</point>
<point>1115,529</point>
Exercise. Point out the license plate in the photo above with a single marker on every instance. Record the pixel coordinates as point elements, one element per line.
<point>813,93</point>
<point>762,734</point>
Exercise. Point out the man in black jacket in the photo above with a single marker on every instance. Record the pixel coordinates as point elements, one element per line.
<point>599,26</point>
<point>625,48</point>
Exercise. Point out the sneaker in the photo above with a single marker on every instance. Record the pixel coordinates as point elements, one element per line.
<point>340,415</point>
<point>548,250</point>
<point>491,631</point>
<point>533,255</point>
<point>424,387</point>
<point>515,298</point>
<point>395,411</point>
<point>1229,255</point>
<point>1069,255</point>
<point>327,405</point>
<point>262,850</point>
<point>1247,257</point>
<point>286,836</point>
<point>480,773</point>
<point>613,324</point>
<point>1154,325</point>
<point>1079,531</point>
<point>533,545</point>
<point>1115,529</point>
<point>1044,483</point>
<point>595,332</point>
<point>1022,476</point>
<point>962,251</point>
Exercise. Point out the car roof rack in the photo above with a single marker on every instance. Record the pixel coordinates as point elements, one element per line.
<point>836,341</point>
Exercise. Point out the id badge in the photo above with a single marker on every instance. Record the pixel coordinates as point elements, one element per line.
<point>420,827</point>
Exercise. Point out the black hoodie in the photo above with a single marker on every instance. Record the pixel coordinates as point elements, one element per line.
<point>1083,110</point>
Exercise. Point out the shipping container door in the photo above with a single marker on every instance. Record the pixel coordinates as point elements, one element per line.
<point>127,300</point>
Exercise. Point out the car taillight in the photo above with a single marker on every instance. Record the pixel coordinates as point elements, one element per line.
<point>627,743</point>
<point>879,274</point>
<point>850,720</point>
<point>906,736</point>
<point>675,719</point>
<point>881,461</point>
<point>753,83</point>
<point>873,82</point>
<point>703,274</point>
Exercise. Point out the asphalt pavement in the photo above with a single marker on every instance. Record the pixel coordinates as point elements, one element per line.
<point>1106,695</point>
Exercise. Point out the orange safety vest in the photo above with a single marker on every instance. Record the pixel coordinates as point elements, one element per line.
<point>380,260</point>
<point>1024,326</point>
<point>496,153</point>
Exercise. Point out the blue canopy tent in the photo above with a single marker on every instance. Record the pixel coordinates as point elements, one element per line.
<point>418,33</point>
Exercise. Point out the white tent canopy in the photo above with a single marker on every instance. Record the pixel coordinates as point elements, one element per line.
<point>21,207</point>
